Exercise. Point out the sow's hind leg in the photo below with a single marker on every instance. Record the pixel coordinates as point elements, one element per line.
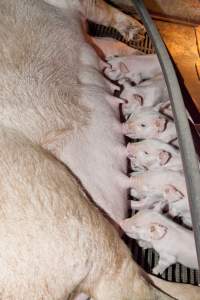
<point>102,13</point>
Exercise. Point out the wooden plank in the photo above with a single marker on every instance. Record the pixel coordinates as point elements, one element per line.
<point>197,31</point>
<point>181,42</point>
<point>198,68</point>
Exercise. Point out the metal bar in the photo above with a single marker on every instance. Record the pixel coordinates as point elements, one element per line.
<point>188,154</point>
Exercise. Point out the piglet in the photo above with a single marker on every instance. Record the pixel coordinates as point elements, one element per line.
<point>133,67</point>
<point>108,48</point>
<point>169,239</point>
<point>148,124</point>
<point>153,154</point>
<point>148,93</point>
<point>160,189</point>
<point>145,184</point>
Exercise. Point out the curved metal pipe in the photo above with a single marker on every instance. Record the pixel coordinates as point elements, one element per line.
<point>188,154</point>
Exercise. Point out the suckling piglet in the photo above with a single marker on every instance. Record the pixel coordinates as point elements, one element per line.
<point>153,230</point>
<point>107,47</point>
<point>158,189</point>
<point>146,94</point>
<point>148,124</point>
<point>144,184</point>
<point>133,67</point>
<point>153,154</point>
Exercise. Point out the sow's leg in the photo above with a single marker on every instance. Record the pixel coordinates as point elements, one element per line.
<point>102,13</point>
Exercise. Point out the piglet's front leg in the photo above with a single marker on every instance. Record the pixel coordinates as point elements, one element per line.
<point>144,244</point>
<point>181,209</point>
<point>164,262</point>
<point>147,202</point>
<point>141,204</point>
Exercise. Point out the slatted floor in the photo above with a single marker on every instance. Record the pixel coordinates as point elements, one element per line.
<point>147,259</point>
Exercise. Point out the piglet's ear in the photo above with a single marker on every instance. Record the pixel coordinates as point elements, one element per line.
<point>160,123</point>
<point>138,99</point>
<point>172,193</point>
<point>123,68</point>
<point>164,157</point>
<point>157,231</point>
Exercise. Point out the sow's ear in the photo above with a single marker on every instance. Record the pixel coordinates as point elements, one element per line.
<point>157,231</point>
<point>160,124</point>
<point>164,157</point>
<point>123,68</point>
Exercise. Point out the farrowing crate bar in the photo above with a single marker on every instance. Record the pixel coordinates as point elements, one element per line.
<point>154,44</point>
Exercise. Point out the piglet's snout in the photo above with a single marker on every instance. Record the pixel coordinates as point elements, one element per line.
<point>125,128</point>
<point>134,184</point>
<point>128,226</point>
<point>131,150</point>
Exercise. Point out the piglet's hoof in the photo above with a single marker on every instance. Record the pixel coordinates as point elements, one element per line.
<point>156,270</point>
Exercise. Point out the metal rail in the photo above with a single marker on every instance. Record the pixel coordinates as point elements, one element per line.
<point>188,154</point>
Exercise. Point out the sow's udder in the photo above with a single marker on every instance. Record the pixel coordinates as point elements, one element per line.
<point>96,153</point>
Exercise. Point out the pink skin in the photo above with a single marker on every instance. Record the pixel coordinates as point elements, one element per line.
<point>153,230</point>
<point>133,67</point>
<point>171,185</point>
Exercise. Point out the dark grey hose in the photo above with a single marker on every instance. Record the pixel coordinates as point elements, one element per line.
<point>189,157</point>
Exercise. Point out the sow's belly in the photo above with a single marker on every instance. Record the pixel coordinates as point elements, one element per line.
<point>97,156</point>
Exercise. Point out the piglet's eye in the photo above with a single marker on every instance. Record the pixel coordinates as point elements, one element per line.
<point>143,125</point>
<point>145,152</point>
